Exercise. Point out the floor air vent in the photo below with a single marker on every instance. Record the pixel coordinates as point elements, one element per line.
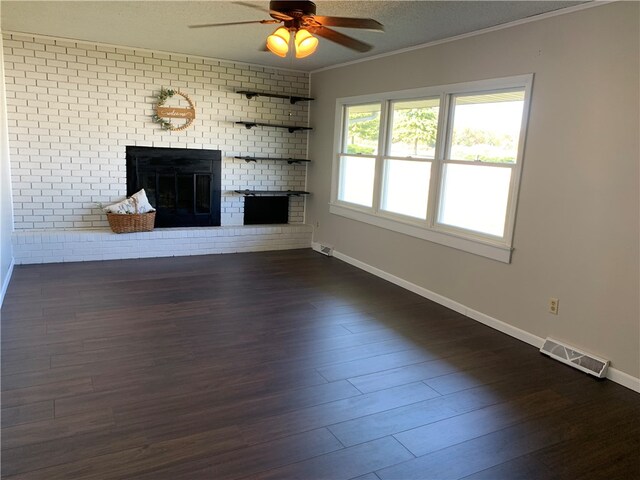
<point>325,250</point>
<point>582,361</point>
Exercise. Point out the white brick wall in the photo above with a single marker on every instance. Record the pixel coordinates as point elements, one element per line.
<point>73,107</point>
<point>54,246</point>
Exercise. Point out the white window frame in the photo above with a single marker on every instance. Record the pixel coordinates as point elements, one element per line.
<point>430,229</point>
<point>388,129</point>
<point>341,152</point>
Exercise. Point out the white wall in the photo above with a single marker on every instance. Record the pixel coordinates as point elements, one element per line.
<point>6,218</point>
<point>74,106</point>
<point>577,229</point>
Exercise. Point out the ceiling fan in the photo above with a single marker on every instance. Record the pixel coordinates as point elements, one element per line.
<point>299,18</point>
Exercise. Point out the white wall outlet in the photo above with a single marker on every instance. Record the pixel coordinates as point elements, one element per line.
<point>553,305</point>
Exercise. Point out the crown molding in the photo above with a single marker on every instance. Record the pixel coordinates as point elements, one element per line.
<point>515,23</point>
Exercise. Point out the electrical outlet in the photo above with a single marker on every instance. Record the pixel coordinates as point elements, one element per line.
<point>318,224</point>
<point>553,305</point>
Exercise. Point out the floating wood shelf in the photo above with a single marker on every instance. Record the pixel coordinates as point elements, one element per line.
<point>289,193</point>
<point>292,98</point>
<point>288,160</point>
<point>291,128</point>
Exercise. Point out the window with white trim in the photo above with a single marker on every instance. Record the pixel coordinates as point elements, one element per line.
<point>440,163</point>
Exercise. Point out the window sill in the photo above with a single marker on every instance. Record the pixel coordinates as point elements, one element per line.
<point>501,253</point>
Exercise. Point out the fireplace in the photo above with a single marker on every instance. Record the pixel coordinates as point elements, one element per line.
<point>182,184</point>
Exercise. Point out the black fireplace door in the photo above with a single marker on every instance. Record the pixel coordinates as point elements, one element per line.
<point>182,184</point>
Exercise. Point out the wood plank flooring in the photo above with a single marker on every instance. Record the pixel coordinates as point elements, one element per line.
<point>284,365</point>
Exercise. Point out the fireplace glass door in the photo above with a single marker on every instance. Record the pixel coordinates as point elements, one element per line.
<point>183,185</point>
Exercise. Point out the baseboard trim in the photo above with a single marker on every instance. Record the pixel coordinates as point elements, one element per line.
<point>613,374</point>
<point>624,379</point>
<point>6,280</point>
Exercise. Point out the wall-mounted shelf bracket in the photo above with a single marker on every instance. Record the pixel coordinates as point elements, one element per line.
<point>288,160</point>
<point>291,128</point>
<point>288,193</point>
<point>292,98</point>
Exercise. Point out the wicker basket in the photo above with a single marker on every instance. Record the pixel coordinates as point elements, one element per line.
<point>131,222</point>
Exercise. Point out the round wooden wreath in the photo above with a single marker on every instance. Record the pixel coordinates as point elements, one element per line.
<point>162,112</point>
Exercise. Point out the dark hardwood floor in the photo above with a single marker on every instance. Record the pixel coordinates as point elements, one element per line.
<point>284,365</point>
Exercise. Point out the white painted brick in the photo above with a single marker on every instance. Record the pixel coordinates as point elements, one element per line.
<point>82,103</point>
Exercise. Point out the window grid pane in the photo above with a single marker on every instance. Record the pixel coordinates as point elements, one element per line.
<point>356,180</point>
<point>414,126</point>
<point>406,187</point>
<point>475,197</point>
<point>486,127</point>
<point>362,129</point>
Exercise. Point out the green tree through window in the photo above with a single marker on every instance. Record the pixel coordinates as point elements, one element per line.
<point>363,130</point>
<point>415,126</point>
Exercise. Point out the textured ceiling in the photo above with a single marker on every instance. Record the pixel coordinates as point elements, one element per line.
<point>162,25</point>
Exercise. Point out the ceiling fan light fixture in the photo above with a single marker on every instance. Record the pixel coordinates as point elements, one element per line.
<point>278,42</point>
<point>305,43</point>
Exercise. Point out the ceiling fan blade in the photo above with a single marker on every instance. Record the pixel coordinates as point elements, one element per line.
<point>364,23</point>
<point>341,39</point>
<point>279,15</point>
<point>233,23</point>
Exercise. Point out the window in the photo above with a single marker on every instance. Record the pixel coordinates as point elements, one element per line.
<point>357,173</point>
<point>407,167</point>
<point>440,163</point>
<point>481,154</point>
